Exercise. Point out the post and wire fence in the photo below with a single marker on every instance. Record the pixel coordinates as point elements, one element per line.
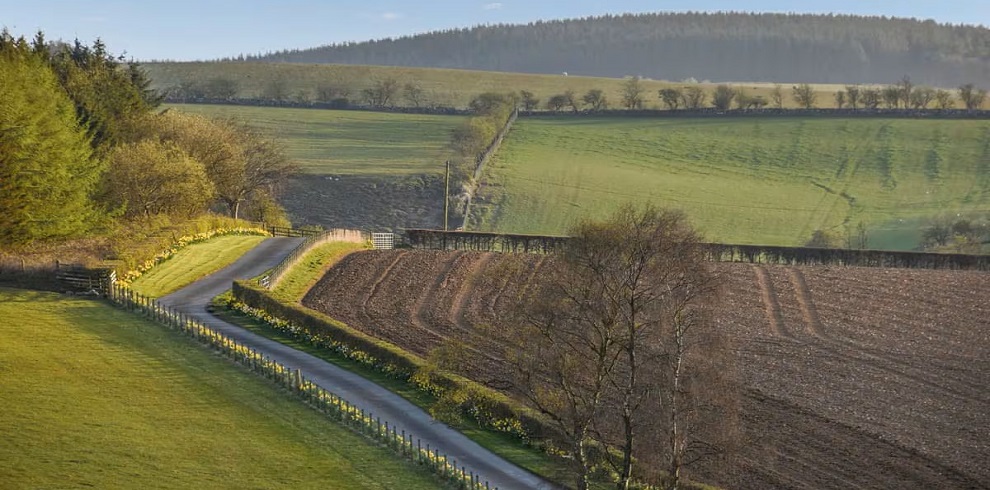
<point>364,422</point>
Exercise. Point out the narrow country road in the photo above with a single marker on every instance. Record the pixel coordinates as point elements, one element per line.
<point>193,300</point>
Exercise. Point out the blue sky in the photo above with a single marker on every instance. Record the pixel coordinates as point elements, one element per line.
<point>207,29</point>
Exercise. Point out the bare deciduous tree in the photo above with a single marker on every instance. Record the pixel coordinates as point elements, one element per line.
<point>595,99</point>
<point>871,98</point>
<point>891,96</point>
<point>566,349</point>
<point>853,96</point>
<point>840,99</point>
<point>971,96</point>
<point>722,97</point>
<point>805,95</point>
<point>777,96</point>
<point>944,99</point>
<point>529,101</point>
<point>630,300</point>
<point>671,97</point>
<point>382,92</point>
<point>694,97</point>
<point>413,93</point>
<point>632,93</point>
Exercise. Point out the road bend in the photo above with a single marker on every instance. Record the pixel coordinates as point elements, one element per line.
<point>194,299</point>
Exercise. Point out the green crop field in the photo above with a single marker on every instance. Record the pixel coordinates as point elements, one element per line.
<point>193,262</point>
<point>96,397</point>
<point>752,180</point>
<point>349,142</point>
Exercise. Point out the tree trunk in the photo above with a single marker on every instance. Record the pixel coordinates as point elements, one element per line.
<point>582,462</point>
<point>625,473</point>
<point>235,209</point>
<point>676,444</point>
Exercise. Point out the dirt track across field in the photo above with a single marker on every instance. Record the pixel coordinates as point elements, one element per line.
<point>854,377</point>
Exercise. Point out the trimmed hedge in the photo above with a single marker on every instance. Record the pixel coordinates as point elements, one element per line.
<point>486,406</point>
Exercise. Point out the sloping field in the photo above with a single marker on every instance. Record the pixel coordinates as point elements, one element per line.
<point>359,169</point>
<point>769,181</point>
<point>93,396</point>
<point>854,377</point>
<point>443,87</point>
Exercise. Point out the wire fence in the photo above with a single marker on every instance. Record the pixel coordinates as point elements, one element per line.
<point>364,422</point>
<point>272,277</point>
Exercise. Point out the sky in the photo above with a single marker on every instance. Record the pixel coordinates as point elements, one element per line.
<point>208,29</point>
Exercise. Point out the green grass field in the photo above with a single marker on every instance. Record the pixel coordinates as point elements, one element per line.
<point>446,87</point>
<point>96,397</point>
<point>754,180</point>
<point>194,262</point>
<point>349,142</point>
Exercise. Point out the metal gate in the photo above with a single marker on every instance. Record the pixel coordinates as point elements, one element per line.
<point>383,241</point>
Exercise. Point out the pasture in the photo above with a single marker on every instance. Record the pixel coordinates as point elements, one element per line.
<point>770,181</point>
<point>96,397</point>
<point>328,142</point>
<point>443,87</point>
<point>365,170</point>
<point>194,262</point>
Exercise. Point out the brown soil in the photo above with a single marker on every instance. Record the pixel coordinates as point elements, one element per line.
<point>854,377</point>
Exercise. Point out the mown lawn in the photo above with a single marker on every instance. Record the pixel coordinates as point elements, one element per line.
<point>96,397</point>
<point>194,262</point>
<point>349,142</point>
<point>743,180</point>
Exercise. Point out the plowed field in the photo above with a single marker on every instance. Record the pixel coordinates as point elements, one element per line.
<point>854,377</point>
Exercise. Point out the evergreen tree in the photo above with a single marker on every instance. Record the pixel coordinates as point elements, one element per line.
<point>47,170</point>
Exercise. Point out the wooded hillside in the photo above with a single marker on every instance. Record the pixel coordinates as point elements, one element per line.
<point>717,47</point>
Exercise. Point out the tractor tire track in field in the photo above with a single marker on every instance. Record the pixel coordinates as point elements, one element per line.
<point>418,315</point>
<point>467,289</point>
<point>770,302</point>
<point>376,285</point>
<point>429,294</point>
<point>531,276</point>
<point>807,305</point>
<point>855,352</point>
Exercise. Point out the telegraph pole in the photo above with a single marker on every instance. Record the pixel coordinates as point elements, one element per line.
<point>446,195</point>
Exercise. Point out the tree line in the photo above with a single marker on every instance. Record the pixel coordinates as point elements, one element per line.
<point>83,152</point>
<point>634,96</point>
<point>390,92</point>
<point>724,46</point>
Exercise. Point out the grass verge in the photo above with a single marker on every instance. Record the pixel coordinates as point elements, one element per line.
<point>506,446</point>
<point>194,262</point>
<point>294,286</point>
<point>310,268</point>
<point>94,396</point>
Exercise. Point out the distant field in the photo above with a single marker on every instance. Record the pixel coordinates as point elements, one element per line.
<point>445,87</point>
<point>349,142</point>
<point>765,181</point>
<point>96,397</point>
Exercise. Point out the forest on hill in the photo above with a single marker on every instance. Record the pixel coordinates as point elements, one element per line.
<point>703,46</point>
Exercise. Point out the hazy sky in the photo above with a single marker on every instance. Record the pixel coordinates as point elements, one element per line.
<point>206,29</point>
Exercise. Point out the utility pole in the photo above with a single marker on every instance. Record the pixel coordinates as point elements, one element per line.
<point>446,195</point>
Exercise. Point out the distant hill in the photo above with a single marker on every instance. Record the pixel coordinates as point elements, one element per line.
<point>716,46</point>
